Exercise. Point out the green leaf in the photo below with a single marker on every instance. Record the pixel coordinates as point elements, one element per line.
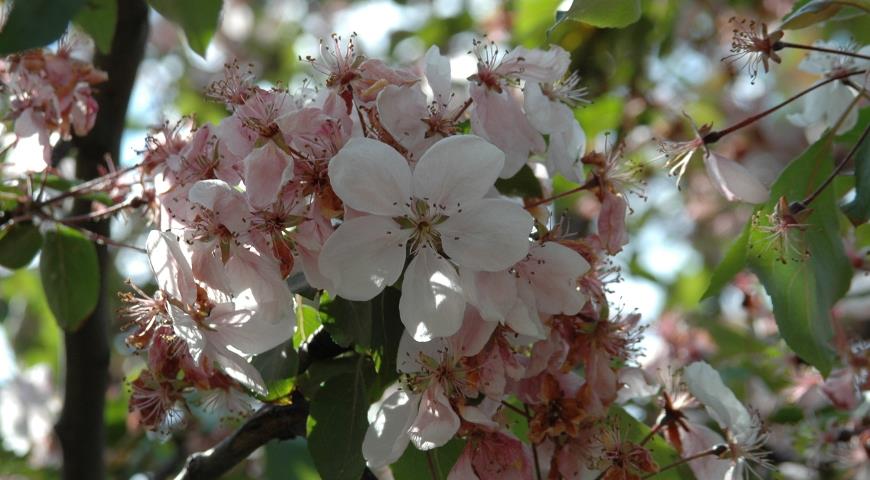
<point>523,184</point>
<point>858,210</point>
<point>338,412</point>
<point>803,290</point>
<point>347,322</point>
<point>731,265</point>
<point>662,452</point>
<point>413,463</point>
<point>18,245</point>
<point>817,11</point>
<point>198,19</point>
<point>278,367</point>
<point>604,13</point>
<point>386,333</point>
<point>36,23</point>
<point>307,321</point>
<point>97,19</point>
<point>70,276</point>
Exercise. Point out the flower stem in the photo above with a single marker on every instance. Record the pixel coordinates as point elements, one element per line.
<point>524,413</point>
<point>781,45</point>
<point>534,448</point>
<point>837,170</point>
<point>462,110</point>
<point>716,450</point>
<point>433,469</point>
<point>652,433</point>
<point>586,186</point>
<point>861,90</point>
<point>715,135</point>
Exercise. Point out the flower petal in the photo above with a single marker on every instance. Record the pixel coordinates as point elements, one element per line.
<point>267,170</point>
<point>170,266</point>
<point>438,73</point>
<point>372,177</point>
<point>490,234</point>
<point>238,368</point>
<point>363,256</point>
<point>706,385</point>
<point>734,181</point>
<point>432,303</point>
<point>436,422</point>
<point>387,436</point>
<point>552,271</point>
<point>457,170</point>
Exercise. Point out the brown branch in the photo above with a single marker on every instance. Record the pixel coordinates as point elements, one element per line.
<point>281,422</point>
<point>81,428</point>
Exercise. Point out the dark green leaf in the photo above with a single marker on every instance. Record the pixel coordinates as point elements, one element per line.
<point>386,333</point>
<point>338,414</point>
<point>730,266</point>
<point>604,13</point>
<point>348,322</point>
<point>278,367</point>
<point>413,463</point>
<point>36,23</point>
<point>803,288</point>
<point>70,276</point>
<point>523,184</point>
<point>662,452</point>
<point>858,210</point>
<point>323,370</point>
<point>198,19</point>
<point>18,245</point>
<point>98,18</point>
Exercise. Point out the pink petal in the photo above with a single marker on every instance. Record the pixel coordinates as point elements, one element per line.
<point>267,170</point>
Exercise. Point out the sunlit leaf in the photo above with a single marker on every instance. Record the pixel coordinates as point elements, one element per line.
<point>198,19</point>
<point>662,452</point>
<point>604,13</point>
<point>97,18</point>
<point>817,11</point>
<point>731,265</point>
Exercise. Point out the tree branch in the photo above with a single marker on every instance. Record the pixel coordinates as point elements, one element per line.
<point>281,422</point>
<point>81,427</point>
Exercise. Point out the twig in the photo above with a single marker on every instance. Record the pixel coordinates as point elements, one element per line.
<point>538,475</point>
<point>281,422</point>
<point>781,45</point>
<point>716,450</point>
<point>837,170</point>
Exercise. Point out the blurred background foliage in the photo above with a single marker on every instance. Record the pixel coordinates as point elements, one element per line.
<point>640,80</point>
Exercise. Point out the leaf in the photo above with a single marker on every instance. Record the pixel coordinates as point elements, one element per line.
<point>278,367</point>
<point>731,265</point>
<point>347,322</point>
<point>817,11</point>
<point>338,411</point>
<point>662,452</point>
<point>523,184</point>
<point>36,23</point>
<point>803,290</point>
<point>198,19</point>
<point>97,19</point>
<point>858,210</point>
<point>70,276</point>
<point>604,13</point>
<point>413,462</point>
<point>18,245</point>
<point>307,321</point>
<point>386,333</point>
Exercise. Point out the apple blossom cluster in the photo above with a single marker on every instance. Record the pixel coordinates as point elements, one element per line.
<point>50,97</point>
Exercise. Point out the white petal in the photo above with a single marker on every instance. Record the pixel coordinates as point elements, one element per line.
<point>189,331</point>
<point>257,284</point>
<point>170,266</point>
<point>401,110</point>
<point>387,436</point>
<point>493,293</point>
<point>238,368</point>
<point>363,256</point>
<point>243,333</point>
<point>372,177</point>
<point>438,73</point>
<point>436,422</point>
<point>457,170</point>
<point>564,152</point>
<point>535,64</point>
<point>706,385</point>
<point>410,351</point>
<point>552,271</point>
<point>490,235</point>
<point>432,303</point>
<point>734,181</point>
<point>267,170</point>
<point>523,317</point>
<point>473,335</point>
